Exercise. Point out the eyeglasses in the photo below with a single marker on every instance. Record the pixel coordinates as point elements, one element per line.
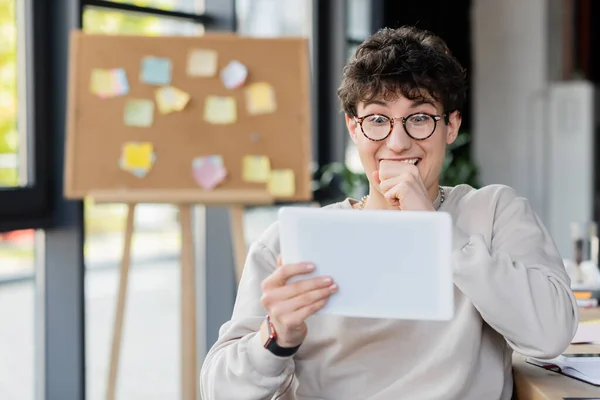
<point>419,126</point>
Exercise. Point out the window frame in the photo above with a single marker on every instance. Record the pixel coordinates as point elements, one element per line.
<point>29,207</point>
<point>150,11</point>
<point>33,206</point>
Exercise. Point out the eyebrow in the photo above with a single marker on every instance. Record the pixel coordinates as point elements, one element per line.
<point>414,104</point>
<point>376,102</point>
<point>419,103</point>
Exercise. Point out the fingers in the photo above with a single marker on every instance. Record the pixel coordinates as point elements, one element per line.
<point>279,309</point>
<point>283,273</point>
<point>393,198</point>
<point>289,304</point>
<point>376,177</point>
<point>298,288</point>
<point>391,183</point>
<point>297,318</point>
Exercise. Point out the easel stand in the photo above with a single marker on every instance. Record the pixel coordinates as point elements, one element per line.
<point>189,362</point>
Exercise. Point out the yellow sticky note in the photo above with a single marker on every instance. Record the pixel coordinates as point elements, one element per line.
<point>256,169</point>
<point>220,110</point>
<point>282,183</point>
<point>260,98</point>
<point>100,82</point>
<point>202,63</point>
<point>169,99</point>
<point>137,158</point>
<point>137,155</point>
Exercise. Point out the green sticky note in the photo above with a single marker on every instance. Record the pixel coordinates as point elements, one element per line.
<point>139,113</point>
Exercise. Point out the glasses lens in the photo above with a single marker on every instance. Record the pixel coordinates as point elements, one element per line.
<point>376,127</point>
<point>420,126</point>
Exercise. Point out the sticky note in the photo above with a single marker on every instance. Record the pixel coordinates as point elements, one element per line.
<point>220,110</point>
<point>208,171</point>
<point>170,99</point>
<point>139,113</point>
<point>256,169</point>
<point>202,63</point>
<point>156,71</point>
<point>260,98</point>
<point>234,75</point>
<point>100,83</point>
<point>281,183</point>
<point>107,83</point>
<point>137,158</point>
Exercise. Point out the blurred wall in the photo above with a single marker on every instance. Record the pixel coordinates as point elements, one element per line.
<point>510,56</point>
<point>534,123</point>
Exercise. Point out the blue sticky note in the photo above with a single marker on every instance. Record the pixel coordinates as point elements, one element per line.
<point>156,71</point>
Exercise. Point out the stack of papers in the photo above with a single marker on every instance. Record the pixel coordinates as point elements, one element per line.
<point>586,369</point>
<point>588,332</point>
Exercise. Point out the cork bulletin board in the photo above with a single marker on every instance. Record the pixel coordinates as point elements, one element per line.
<point>210,119</point>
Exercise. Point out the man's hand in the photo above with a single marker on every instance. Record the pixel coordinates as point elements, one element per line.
<point>290,304</point>
<point>402,186</point>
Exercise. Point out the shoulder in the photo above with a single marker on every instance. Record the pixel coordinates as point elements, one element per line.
<point>269,240</point>
<point>463,195</point>
<point>489,205</point>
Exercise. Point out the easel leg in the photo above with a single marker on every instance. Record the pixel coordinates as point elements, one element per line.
<point>236,220</point>
<point>120,311</point>
<point>188,307</point>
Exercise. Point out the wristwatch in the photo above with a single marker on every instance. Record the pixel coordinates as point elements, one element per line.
<point>272,345</point>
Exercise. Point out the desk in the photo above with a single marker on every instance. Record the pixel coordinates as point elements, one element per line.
<point>534,383</point>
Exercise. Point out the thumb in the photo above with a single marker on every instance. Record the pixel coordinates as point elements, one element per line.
<point>375,175</point>
<point>279,262</point>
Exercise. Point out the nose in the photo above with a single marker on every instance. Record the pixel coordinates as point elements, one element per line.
<point>398,141</point>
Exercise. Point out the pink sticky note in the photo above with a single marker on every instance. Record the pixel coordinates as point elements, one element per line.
<point>208,171</point>
<point>234,75</point>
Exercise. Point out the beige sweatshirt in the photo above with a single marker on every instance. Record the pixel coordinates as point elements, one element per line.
<point>511,293</point>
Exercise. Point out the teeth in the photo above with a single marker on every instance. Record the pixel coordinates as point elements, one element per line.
<point>411,161</point>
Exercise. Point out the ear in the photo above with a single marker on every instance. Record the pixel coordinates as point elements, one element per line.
<point>352,126</point>
<point>453,127</point>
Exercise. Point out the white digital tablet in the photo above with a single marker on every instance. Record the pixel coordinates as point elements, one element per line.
<point>387,264</point>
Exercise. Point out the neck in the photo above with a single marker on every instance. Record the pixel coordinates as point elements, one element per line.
<point>378,202</point>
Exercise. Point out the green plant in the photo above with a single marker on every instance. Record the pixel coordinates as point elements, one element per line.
<point>337,181</point>
<point>350,183</point>
<point>458,167</point>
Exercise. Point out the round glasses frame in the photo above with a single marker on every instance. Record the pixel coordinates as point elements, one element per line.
<point>435,118</point>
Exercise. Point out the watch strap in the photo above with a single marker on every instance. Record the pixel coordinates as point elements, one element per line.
<point>272,345</point>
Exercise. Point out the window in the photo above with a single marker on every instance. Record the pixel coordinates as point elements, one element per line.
<point>118,22</point>
<point>17,313</point>
<point>149,361</point>
<point>19,186</point>
<point>186,6</point>
<point>358,28</point>
<point>9,135</point>
<point>274,18</point>
<point>23,194</point>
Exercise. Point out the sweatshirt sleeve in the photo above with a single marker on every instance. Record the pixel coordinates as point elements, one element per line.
<point>238,366</point>
<point>519,285</point>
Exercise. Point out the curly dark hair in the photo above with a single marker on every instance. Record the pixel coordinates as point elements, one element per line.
<point>406,61</point>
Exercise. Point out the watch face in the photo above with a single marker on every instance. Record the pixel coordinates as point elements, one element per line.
<point>271,334</point>
<point>271,329</point>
